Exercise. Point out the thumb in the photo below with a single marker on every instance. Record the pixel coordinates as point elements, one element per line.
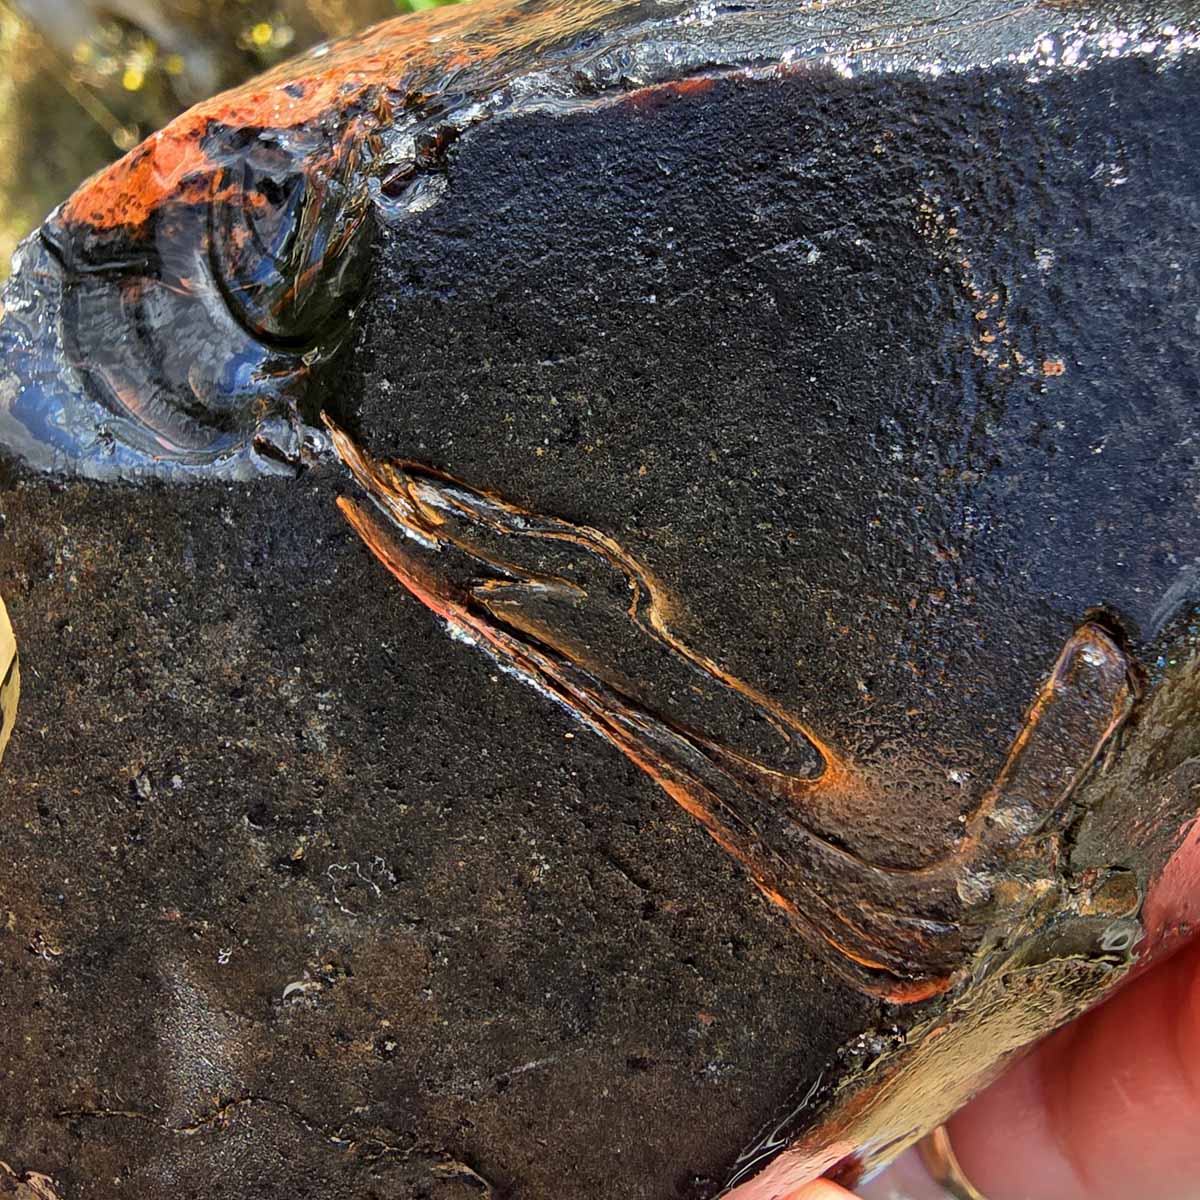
<point>1105,1109</point>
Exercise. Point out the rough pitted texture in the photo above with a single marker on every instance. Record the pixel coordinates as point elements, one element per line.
<point>888,411</point>
<point>889,379</point>
<point>507,939</point>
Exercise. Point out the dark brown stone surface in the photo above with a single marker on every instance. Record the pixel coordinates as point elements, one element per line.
<point>880,357</point>
<point>247,763</point>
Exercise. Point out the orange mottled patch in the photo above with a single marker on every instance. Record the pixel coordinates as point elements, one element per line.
<point>411,53</point>
<point>655,95</point>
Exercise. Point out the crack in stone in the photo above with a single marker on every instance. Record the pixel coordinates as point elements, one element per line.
<point>219,1116</point>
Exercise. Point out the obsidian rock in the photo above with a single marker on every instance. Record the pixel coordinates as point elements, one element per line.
<point>869,336</point>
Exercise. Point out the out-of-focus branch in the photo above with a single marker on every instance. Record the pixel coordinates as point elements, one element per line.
<point>123,136</point>
<point>66,24</point>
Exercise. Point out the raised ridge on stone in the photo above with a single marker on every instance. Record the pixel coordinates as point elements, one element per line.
<point>481,563</point>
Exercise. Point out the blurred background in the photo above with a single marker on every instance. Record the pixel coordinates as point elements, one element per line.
<point>82,81</point>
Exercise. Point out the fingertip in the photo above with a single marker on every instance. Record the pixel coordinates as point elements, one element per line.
<point>820,1189</point>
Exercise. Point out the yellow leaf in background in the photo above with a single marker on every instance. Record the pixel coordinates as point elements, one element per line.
<point>10,679</point>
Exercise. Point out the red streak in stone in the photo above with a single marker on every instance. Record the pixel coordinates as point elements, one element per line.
<point>335,86</point>
<point>868,918</point>
<point>649,98</point>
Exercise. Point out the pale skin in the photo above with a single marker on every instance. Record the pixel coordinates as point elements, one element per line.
<point>1106,1109</point>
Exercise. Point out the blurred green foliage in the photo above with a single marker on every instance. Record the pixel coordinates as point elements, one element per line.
<point>81,81</point>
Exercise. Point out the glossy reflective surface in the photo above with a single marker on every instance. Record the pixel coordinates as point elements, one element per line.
<point>190,347</point>
<point>590,629</point>
<point>801,398</point>
<point>170,318</point>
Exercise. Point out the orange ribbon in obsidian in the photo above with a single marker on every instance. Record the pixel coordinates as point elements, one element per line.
<point>537,593</point>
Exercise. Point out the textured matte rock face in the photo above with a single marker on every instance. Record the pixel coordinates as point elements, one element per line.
<point>812,419</point>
